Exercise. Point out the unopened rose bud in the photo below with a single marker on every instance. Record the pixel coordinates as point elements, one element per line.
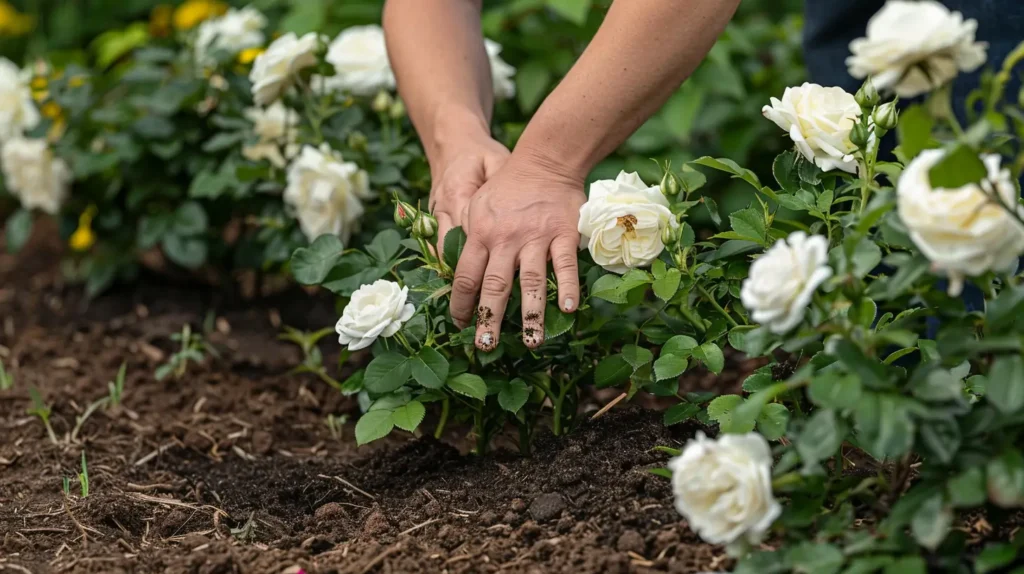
<point>383,102</point>
<point>887,116</point>
<point>859,135</point>
<point>679,259</point>
<point>867,96</point>
<point>425,226</point>
<point>405,214</point>
<point>670,235</point>
<point>397,110</point>
<point>357,141</point>
<point>669,185</point>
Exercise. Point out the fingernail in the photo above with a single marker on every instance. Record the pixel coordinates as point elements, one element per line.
<point>486,340</point>
<point>569,304</point>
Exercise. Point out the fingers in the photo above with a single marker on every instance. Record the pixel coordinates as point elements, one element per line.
<point>466,284</point>
<point>494,292</point>
<point>533,282</point>
<point>444,225</point>
<point>563,258</point>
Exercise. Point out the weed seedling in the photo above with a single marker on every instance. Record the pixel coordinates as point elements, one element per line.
<point>66,486</point>
<point>6,380</point>
<point>246,532</point>
<point>42,410</point>
<point>116,387</point>
<point>336,424</point>
<point>83,477</point>
<point>312,358</point>
<point>194,348</point>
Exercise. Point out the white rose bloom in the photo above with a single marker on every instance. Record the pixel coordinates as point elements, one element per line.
<point>277,127</point>
<point>914,47</point>
<point>17,111</point>
<point>502,73</point>
<point>963,232</point>
<point>621,222</point>
<point>360,59</point>
<point>34,175</point>
<point>233,32</point>
<point>326,192</point>
<point>723,487</point>
<point>375,310</point>
<point>275,69</point>
<point>818,121</point>
<point>783,280</point>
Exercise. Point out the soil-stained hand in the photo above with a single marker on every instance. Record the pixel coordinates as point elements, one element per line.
<point>524,215</point>
<point>458,176</point>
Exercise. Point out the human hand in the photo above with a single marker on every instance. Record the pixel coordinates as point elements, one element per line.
<point>457,175</point>
<point>522,216</point>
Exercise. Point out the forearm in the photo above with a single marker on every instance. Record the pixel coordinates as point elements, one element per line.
<point>437,53</point>
<point>643,51</point>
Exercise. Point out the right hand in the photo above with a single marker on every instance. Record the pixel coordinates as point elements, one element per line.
<point>457,175</point>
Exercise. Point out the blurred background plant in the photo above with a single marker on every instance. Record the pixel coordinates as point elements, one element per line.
<point>716,113</point>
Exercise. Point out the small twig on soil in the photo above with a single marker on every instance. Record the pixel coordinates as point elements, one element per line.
<point>15,567</point>
<point>147,487</point>
<point>383,556</point>
<point>348,484</point>
<point>159,451</point>
<point>43,530</point>
<point>418,526</point>
<point>81,528</point>
<point>609,406</point>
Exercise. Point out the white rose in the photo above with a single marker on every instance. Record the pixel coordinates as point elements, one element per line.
<point>963,232</point>
<point>326,192</point>
<point>34,175</point>
<point>360,59</point>
<point>275,69</point>
<point>231,33</point>
<point>502,73</point>
<point>723,487</point>
<point>277,127</point>
<point>783,280</point>
<point>914,47</point>
<point>818,121</point>
<point>621,222</point>
<point>375,310</point>
<point>17,111</point>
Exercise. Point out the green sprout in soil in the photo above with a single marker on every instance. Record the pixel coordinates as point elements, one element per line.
<point>246,532</point>
<point>42,410</point>
<point>83,477</point>
<point>66,486</point>
<point>336,425</point>
<point>6,380</point>
<point>194,348</point>
<point>312,358</point>
<point>115,390</point>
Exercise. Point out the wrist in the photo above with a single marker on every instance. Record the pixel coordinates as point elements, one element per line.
<point>534,163</point>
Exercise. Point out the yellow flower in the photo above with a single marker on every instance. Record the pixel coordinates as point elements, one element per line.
<point>83,238</point>
<point>51,110</point>
<point>192,12</point>
<point>160,20</point>
<point>12,23</point>
<point>248,56</point>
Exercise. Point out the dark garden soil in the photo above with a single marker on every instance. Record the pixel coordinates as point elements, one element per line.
<point>233,469</point>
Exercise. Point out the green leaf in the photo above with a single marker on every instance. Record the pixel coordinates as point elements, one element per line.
<point>915,130</point>
<point>612,371</point>
<point>937,385</point>
<point>907,565</point>
<point>753,341</point>
<point>682,110</point>
<point>469,385</point>
<point>557,323</point>
<point>872,373</point>
<point>996,555</point>
<point>691,180</point>
<point>785,171</point>
<point>750,224</point>
<point>940,438</point>
<point>773,421</point>
<point>834,392</point>
<point>730,167</point>
<point>387,373</point>
<point>680,413</point>
<point>808,172</point>
<point>429,368</point>
<point>958,168</point>
<point>1006,479</point>
<point>609,288</point>
<point>931,523</point>
<point>575,11</point>
<point>667,286</point>
<point>758,380</point>
<point>712,208</point>
<point>454,243</point>
<point>967,489</point>
<point>820,437</point>
<point>409,416</point>
<point>680,345</point>
<point>373,425</point>
<point>514,395</point>
<point>815,558</point>
<point>636,356</point>
<point>210,185</point>
<point>532,82</point>
<point>19,229</point>
<point>1005,388</point>
<point>385,246</point>
<point>189,252</point>
<point>1002,311</point>
<point>722,411</point>
<point>711,355</point>
<point>310,265</point>
<point>669,367</point>
<point>885,428</point>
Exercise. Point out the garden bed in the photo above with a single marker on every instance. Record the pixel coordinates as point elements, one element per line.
<point>178,472</point>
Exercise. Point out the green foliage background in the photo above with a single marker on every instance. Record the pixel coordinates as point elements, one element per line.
<point>716,113</point>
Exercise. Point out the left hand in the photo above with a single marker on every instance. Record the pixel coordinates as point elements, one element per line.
<point>521,217</point>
